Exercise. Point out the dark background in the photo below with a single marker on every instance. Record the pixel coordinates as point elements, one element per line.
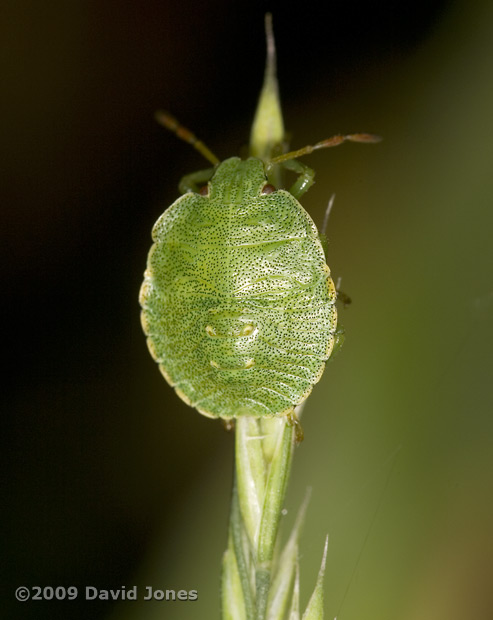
<point>108,478</point>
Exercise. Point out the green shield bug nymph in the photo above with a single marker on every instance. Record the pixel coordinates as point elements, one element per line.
<point>238,305</point>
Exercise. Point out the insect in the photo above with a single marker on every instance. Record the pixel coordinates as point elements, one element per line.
<point>237,301</point>
<point>238,305</point>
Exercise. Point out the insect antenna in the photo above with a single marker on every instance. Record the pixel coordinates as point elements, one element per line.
<point>367,138</point>
<point>166,120</point>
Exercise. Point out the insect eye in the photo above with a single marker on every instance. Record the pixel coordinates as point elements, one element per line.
<point>268,189</point>
<point>204,190</point>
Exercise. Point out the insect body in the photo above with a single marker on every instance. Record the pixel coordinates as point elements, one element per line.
<point>237,302</point>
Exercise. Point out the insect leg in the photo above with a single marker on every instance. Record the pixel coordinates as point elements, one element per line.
<point>339,337</point>
<point>344,298</point>
<point>306,177</point>
<point>195,180</point>
<point>228,424</point>
<point>341,296</point>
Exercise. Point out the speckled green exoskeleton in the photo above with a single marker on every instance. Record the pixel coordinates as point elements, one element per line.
<point>237,301</point>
